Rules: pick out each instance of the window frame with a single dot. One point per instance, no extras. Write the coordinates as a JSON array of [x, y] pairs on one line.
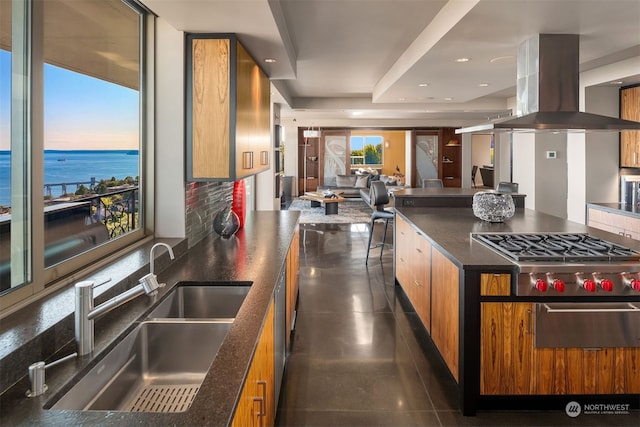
[[43, 281]]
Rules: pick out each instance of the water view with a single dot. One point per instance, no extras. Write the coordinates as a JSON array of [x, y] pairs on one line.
[[74, 166]]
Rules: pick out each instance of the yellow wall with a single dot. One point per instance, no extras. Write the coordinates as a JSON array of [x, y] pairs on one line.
[[394, 154]]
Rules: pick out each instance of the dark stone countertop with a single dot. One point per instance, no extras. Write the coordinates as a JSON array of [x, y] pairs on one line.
[[450, 230], [618, 208], [440, 192], [257, 253], [444, 197]]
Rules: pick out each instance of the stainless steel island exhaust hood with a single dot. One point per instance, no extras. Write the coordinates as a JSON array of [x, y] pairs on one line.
[[547, 92]]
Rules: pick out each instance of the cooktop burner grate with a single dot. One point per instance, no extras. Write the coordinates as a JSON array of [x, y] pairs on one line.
[[556, 247]]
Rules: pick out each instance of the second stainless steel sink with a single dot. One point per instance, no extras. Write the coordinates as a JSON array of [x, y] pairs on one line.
[[158, 367], [202, 300]]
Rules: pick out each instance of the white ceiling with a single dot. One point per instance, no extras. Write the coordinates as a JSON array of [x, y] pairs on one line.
[[364, 60]]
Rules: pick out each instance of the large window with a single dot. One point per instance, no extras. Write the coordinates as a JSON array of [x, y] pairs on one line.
[[366, 150], [71, 90]]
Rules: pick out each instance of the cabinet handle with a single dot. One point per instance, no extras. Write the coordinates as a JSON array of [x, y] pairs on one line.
[[260, 413], [419, 251], [417, 283], [401, 259], [247, 159], [263, 400]]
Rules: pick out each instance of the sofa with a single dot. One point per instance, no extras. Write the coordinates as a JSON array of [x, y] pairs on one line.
[[348, 185], [357, 184]]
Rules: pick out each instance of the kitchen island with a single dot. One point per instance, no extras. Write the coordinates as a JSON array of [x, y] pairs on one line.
[[259, 253], [466, 296], [444, 197], [619, 218]]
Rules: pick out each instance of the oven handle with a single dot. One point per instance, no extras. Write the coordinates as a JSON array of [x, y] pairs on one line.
[[632, 308]]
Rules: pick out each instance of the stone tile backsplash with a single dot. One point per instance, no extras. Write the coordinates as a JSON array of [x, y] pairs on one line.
[[203, 201]]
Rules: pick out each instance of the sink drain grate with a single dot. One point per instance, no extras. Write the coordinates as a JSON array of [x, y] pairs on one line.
[[164, 398]]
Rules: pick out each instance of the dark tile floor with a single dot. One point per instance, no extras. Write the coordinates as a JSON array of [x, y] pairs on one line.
[[361, 358]]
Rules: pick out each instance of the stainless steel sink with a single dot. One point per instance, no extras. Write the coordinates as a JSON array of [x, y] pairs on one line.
[[158, 367], [202, 300]]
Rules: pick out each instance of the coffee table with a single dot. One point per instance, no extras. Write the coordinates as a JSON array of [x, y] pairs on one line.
[[330, 203]]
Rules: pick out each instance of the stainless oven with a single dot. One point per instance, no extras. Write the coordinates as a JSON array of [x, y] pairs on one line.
[[587, 325]]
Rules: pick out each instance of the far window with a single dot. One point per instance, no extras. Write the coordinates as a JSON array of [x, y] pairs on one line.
[[366, 150]]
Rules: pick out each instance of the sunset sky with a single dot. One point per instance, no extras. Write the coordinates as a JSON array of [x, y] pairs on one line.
[[81, 112]]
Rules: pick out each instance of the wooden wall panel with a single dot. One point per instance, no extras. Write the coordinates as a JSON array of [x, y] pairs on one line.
[[210, 145]]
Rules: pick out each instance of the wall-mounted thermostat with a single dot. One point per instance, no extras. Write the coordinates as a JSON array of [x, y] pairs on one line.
[[552, 154]]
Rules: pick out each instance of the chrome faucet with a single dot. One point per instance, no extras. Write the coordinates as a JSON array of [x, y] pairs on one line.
[[85, 312], [153, 248]]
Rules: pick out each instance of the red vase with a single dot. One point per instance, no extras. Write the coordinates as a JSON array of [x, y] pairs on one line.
[[239, 200]]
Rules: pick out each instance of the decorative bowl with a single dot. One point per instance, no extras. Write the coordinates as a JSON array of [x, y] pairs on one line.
[[493, 206]]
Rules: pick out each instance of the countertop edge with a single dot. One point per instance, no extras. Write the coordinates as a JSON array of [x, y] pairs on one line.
[[258, 254], [618, 208]]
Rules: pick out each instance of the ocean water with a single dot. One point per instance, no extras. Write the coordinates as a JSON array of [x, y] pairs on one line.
[[66, 166]]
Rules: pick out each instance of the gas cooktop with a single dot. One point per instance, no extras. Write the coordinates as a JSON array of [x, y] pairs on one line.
[[556, 247], [568, 264]]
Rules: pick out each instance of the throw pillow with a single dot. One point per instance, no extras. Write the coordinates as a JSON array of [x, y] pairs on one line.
[[345, 180], [362, 181]]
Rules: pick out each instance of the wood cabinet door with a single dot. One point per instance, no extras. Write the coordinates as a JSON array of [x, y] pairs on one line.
[[228, 104], [422, 278], [256, 406], [209, 141], [630, 140], [510, 364], [506, 344], [292, 281], [445, 302], [402, 247]]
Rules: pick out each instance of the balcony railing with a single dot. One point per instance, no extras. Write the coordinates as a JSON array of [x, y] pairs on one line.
[[76, 226], [117, 210]]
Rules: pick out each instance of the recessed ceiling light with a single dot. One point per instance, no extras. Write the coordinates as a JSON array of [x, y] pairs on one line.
[[356, 113], [423, 84], [483, 84], [616, 82], [463, 60], [448, 99], [502, 58], [270, 60], [402, 99]]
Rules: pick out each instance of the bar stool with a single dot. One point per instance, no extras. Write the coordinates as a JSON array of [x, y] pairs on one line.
[[379, 197]]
